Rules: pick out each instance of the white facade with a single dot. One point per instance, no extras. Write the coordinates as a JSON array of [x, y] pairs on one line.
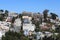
[[28, 27], [53, 21], [48, 34], [53, 27], [13, 14], [17, 22], [5, 25], [2, 33], [17, 25], [27, 24]]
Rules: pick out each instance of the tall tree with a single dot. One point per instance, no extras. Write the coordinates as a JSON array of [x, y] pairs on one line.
[[1, 15], [20, 16], [13, 19], [6, 12], [45, 13]]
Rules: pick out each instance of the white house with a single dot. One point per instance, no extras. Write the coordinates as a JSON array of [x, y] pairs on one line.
[[27, 24], [2, 33], [5, 25], [28, 27], [12, 14], [53, 27], [53, 21], [48, 34], [40, 35], [17, 24]]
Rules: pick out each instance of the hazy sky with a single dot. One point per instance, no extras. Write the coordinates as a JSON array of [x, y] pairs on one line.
[[30, 5]]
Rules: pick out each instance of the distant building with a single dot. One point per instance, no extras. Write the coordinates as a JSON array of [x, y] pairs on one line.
[[24, 13], [45, 26], [37, 17], [53, 27], [48, 34], [9, 19], [27, 17], [17, 25], [52, 21], [2, 33], [2, 12], [27, 24], [12, 14], [4, 27], [17, 22]]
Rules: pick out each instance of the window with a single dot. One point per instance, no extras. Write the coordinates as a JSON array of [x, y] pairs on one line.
[[6, 25], [26, 20]]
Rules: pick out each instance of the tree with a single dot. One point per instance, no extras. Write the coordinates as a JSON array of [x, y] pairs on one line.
[[58, 37], [33, 22], [37, 26], [1, 10], [36, 23], [6, 12], [53, 16], [10, 35], [58, 29], [1, 15], [20, 16], [13, 19], [45, 13], [1, 18]]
